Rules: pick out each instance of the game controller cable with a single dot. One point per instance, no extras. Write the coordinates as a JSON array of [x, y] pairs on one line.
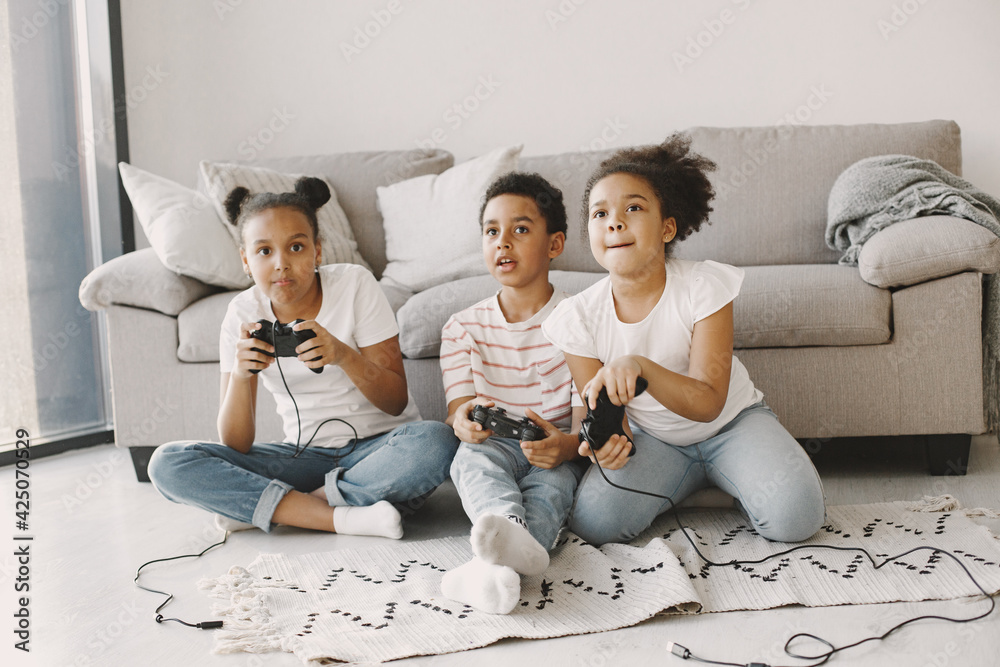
[[204, 625], [821, 658], [284, 340], [298, 419], [211, 625]]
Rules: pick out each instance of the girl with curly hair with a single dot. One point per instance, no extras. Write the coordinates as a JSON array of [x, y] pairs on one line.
[[702, 421]]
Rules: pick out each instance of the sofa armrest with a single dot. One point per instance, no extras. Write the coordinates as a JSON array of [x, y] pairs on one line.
[[915, 251], [139, 279]]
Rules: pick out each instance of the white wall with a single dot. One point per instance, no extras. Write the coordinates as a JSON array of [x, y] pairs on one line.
[[207, 77]]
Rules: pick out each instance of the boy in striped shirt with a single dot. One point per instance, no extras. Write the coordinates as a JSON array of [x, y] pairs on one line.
[[518, 494]]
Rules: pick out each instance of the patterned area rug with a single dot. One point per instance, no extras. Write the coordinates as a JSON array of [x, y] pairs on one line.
[[384, 603]]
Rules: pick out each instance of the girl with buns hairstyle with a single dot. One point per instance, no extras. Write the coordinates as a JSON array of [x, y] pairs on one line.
[[345, 395]]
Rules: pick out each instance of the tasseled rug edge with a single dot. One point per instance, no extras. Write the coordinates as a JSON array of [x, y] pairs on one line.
[[247, 625], [947, 503]]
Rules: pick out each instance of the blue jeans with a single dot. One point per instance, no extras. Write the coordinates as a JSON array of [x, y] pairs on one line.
[[495, 477], [753, 458], [401, 466]]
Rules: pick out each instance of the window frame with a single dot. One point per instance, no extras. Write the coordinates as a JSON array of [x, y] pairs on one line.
[[102, 109]]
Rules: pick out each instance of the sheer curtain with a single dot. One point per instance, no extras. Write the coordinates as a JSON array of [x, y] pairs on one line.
[[60, 215]]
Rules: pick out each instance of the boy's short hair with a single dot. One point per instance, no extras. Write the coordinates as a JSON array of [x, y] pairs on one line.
[[547, 197]]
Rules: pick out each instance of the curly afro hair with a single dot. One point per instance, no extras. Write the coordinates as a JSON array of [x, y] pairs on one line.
[[309, 195], [547, 197], [676, 175]]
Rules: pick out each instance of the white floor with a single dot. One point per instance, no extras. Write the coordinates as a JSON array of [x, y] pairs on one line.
[[93, 524]]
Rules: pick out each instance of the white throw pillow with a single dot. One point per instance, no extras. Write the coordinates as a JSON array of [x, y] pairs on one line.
[[431, 222], [184, 230], [335, 233]]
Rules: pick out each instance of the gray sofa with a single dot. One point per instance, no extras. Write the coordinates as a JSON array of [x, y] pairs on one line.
[[890, 347]]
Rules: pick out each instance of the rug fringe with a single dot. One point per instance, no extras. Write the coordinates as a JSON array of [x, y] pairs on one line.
[[948, 503], [247, 625]]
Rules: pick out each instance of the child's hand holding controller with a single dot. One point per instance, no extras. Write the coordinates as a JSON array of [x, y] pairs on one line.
[[618, 377], [612, 456], [252, 354], [552, 450], [325, 349], [468, 430]]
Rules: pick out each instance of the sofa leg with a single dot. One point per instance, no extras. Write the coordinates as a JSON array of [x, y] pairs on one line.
[[140, 459], [948, 454]]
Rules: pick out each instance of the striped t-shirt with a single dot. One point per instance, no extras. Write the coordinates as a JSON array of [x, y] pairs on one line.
[[509, 363]]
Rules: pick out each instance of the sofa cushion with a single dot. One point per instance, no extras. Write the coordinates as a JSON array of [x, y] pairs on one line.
[[773, 183], [778, 306], [918, 250], [432, 233], [810, 305], [139, 279], [184, 229], [198, 328], [424, 315], [772, 186], [569, 172], [355, 177], [396, 296], [335, 234]]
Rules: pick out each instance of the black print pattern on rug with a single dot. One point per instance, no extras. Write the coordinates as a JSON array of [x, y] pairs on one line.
[[385, 603]]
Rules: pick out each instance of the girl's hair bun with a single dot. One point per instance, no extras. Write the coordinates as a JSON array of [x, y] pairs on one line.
[[234, 202], [310, 194], [313, 190]]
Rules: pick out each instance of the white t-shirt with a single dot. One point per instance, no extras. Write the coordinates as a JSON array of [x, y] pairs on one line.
[[509, 363], [587, 325], [356, 312]]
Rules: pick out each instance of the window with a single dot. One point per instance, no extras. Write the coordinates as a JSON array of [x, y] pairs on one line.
[[60, 202]]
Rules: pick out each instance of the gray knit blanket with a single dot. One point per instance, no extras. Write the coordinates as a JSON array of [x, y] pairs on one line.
[[876, 192]]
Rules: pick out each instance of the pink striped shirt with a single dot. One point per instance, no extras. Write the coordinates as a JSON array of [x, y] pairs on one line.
[[509, 363]]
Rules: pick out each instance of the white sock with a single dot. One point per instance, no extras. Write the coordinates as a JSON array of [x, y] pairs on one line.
[[494, 589], [497, 539], [231, 525], [380, 520]]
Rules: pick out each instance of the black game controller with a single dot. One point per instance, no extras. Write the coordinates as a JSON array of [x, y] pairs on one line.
[[505, 426], [283, 338], [606, 419]]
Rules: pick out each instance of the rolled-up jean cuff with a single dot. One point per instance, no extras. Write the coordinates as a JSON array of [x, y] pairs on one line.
[[268, 502], [333, 495]]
